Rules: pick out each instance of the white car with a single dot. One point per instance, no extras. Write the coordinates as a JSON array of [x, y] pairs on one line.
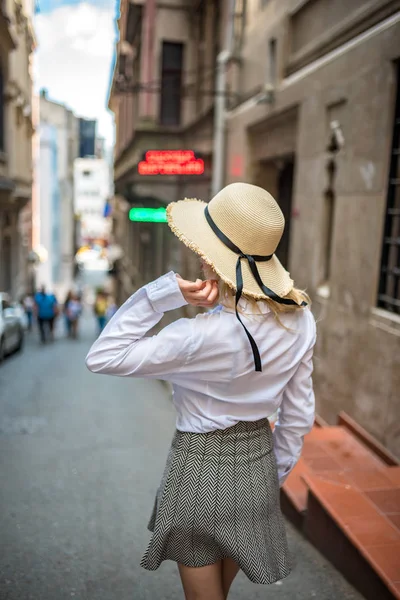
[[11, 329], [21, 314]]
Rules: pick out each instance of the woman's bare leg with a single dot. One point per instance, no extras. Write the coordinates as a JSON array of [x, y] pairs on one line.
[[202, 583], [229, 571]]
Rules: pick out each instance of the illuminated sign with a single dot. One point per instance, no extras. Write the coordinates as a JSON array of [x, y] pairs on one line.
[[148, 215], [171, 162]]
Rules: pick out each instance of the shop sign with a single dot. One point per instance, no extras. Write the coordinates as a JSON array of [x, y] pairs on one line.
[[148, 215], [171, 162]]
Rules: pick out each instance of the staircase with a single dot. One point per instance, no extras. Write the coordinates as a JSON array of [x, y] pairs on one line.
[[344, 494]]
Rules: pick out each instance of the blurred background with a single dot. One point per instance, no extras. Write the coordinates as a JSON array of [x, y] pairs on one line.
[[111, 109]]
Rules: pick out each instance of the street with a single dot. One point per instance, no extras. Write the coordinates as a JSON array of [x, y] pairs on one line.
[[80, 460]]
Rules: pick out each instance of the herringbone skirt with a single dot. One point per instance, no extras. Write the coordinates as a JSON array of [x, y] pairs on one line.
[[218, 498]]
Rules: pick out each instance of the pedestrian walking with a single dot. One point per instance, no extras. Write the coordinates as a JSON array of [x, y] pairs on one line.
[[46, 312], [29, 305], [100, 309], [111, 309], [67, 320], [74, 311], [217, 508]]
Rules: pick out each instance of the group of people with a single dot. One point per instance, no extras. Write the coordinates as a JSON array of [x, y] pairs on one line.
[[45, 308]]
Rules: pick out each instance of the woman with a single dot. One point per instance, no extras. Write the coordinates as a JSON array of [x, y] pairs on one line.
[[111, 309], [100, 310], [217, 508]]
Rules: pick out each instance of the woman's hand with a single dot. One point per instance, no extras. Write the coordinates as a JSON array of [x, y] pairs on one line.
[[199, 293]]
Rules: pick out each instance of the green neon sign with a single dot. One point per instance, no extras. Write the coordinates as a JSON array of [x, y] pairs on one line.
[[148, 215]]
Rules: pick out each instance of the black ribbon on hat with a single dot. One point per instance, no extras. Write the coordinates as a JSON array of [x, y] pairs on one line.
[[251, 259]]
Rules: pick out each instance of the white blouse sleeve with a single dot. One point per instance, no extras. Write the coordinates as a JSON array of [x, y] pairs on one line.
[[122, 348], [296, 414]]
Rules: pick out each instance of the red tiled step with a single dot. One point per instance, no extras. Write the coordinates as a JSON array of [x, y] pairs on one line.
[[341, 487], [335, 455], [367, 439], [340, 446], [394, 474], [363, 518]]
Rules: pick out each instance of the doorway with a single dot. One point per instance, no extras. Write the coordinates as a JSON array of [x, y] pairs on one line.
[[284, 199], [277, 177]]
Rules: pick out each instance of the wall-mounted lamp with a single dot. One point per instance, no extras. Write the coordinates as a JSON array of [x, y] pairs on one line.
[[337, 141], [267, 96], [19, 101]]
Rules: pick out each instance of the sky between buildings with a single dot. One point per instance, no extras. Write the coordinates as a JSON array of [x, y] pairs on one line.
[[74, 56]]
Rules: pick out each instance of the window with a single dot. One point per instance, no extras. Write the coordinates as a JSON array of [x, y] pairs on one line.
[[171, 83], [86, 173], [2, 141], [389, 288], [272, 61]]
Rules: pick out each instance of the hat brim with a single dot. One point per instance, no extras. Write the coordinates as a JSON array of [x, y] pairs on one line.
[[187, 221]]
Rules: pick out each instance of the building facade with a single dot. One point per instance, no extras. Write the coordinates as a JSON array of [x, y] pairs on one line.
[[66, 127], [91, 192], [311, 99], [49, 269], [16, 131], [163, 100], [316, 122]]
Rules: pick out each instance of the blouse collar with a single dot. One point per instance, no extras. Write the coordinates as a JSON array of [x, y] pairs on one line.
[[249, 308]]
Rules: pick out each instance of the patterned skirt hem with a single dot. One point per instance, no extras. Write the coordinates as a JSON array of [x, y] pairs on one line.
[[253, 578], [219, 498]]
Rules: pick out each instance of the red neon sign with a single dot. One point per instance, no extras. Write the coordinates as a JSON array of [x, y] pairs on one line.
[[171, 162]]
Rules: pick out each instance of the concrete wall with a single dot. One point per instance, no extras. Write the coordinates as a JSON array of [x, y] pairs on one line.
[[358, 350]]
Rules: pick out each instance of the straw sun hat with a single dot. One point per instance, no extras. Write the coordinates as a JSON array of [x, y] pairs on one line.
[[237, 234], [251, 220]]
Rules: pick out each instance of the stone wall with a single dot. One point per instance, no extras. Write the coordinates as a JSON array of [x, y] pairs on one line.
[[358, 351]]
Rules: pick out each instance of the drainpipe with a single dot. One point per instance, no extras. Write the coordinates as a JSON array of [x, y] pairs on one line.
[[219, 105]]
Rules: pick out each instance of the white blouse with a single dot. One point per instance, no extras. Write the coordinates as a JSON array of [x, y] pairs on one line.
[[210, 363]]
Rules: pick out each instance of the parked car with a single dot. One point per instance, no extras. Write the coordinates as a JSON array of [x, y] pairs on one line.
[[21, 313], [11, 328]]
